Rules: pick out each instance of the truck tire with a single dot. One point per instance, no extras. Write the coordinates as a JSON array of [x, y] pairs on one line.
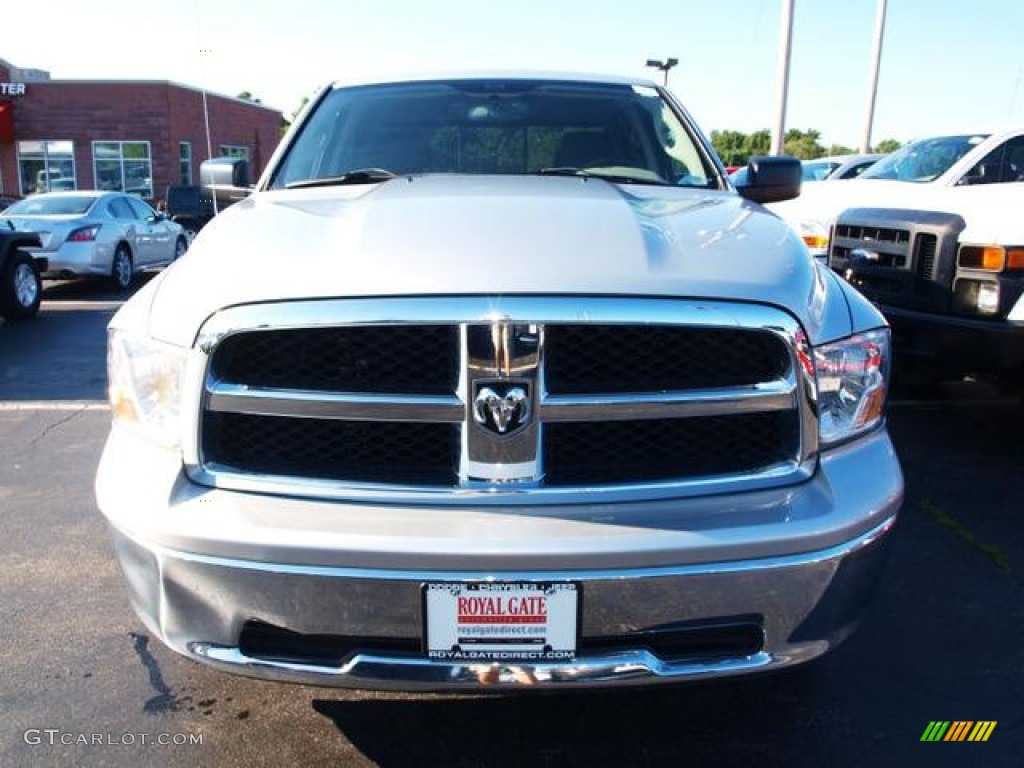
[[21, 290]]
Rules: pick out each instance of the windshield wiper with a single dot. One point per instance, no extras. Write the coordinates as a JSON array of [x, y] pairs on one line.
[[615, 178], [358, 176]]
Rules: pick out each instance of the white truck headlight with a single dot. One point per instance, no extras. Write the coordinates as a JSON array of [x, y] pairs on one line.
[[815, 235], [852, 377], [145, 385]]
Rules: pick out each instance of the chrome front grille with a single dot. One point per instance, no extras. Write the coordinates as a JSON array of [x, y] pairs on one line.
[[516, 400]]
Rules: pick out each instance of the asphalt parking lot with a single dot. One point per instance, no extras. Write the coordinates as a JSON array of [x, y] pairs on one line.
[[83, 684]]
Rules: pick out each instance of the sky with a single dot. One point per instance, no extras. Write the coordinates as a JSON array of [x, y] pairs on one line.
[[947, 65]]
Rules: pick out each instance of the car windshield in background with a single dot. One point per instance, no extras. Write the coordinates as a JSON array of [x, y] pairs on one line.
[[817, 171], [72, 205], [923, 160], [624, 133]]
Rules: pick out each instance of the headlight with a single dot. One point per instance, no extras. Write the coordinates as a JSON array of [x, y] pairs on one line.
[[976, 296], [145, 386], [815, 235], [852, 377]]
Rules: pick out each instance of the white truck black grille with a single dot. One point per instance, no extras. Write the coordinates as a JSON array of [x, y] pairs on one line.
[[898, 258]]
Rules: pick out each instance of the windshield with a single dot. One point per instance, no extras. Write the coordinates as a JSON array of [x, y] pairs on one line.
[[70, 205], [818, 169], [923, 160], [626, 133]]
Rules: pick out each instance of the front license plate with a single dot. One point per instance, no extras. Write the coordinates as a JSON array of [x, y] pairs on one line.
[[501, 621]]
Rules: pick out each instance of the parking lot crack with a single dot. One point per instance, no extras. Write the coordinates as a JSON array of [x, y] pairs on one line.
[[31, 444]]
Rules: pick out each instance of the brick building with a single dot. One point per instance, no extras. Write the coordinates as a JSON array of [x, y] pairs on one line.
[[133, 135]]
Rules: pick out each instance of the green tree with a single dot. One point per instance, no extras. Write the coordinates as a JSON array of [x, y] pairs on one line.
[[803, 144], [247, 96], [887, 145], [731, 146], [839, 149], [759, 142]]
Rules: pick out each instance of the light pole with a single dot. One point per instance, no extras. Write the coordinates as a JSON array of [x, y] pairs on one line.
[[876, 60], [664, 66], [786, 46]]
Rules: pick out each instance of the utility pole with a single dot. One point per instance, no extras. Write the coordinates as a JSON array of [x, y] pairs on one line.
[[782, 91], [869, 118]]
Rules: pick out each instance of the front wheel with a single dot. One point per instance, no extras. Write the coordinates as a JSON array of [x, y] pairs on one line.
[[121, 269], [189, 228], [180, 246], [21, 290]]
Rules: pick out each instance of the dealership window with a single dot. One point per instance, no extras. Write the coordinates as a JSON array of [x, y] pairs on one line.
[[185, 162], [233, 150], [124, 166], [45, 166]]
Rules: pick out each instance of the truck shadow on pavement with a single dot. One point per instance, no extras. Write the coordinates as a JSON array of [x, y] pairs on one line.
[[784, 718]]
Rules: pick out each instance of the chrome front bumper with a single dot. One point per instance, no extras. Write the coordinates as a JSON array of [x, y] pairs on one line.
[[801, 562], [807, 604]]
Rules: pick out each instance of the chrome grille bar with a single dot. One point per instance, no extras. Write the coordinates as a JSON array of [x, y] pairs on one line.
[[229, 398]]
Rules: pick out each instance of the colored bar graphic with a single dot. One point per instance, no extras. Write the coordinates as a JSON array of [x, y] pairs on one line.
[[958, 730], [982, 730]]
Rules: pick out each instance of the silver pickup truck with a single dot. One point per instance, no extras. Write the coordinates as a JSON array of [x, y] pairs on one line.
[[497, 383]]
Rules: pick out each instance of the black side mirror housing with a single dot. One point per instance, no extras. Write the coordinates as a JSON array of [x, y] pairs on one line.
[[772, 179], [225, 179]]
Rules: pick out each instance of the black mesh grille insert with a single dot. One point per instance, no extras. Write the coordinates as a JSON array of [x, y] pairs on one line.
[[612, 452], [926, 245], [872, 234], [360, 451], [604, 359], [399, 359]]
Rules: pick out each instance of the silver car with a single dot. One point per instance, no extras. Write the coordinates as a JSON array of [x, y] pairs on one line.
[[97, 234], [838, 167]]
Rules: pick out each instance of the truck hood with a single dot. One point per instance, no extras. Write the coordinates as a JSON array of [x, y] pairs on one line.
[[487, 235], [991, 211], [825, 200]]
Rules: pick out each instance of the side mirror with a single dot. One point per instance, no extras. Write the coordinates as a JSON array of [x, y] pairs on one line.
[[772, 179], [225, 180], [985, 172]]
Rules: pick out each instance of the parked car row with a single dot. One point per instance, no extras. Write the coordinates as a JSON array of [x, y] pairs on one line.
[[83, 233], [932, 234], [832, 168]]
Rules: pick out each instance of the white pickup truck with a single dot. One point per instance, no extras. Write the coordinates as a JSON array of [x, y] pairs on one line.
[[933, 235]]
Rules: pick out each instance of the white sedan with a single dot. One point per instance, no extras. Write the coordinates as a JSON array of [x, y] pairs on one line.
[[97, 234]]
